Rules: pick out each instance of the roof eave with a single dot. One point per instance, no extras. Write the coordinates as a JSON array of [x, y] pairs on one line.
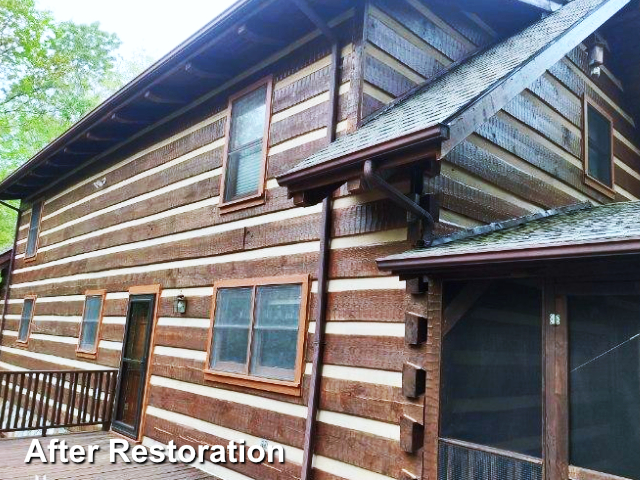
[[345, 167], [429, 265], [143, 81]]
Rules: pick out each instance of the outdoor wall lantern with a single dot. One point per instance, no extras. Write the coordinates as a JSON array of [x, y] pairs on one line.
[[180, 305]]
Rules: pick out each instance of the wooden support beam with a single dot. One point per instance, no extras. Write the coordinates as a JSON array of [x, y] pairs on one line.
[[116, 117], [190, 68], [162, 99], [463, 302], [414, 380], [97, 138], [309, 198], [417, 286], [260, 39], [356, 186], [71, 151], [411, 434], [415, 329]]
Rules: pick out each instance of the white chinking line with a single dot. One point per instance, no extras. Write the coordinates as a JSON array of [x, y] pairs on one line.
[[258, 254], [369, 239], [336, 285], [373, 427], [292, 454]]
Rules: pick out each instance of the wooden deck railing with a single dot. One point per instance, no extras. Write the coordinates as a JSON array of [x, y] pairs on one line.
[[42, 400]]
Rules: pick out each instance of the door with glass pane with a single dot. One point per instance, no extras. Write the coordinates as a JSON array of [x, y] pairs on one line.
[[134, 365], [603, 377]]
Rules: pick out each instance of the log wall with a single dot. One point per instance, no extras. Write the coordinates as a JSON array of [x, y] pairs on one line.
[[152, 217]]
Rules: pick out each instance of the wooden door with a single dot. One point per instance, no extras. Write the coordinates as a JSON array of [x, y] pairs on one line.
[[134, 365]]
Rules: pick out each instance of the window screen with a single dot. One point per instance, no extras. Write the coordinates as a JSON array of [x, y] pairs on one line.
[[34, 227], [600, 148], [256, 331], [90, 323], [604, 383], [25, 319], [246, 141], [492, 370]]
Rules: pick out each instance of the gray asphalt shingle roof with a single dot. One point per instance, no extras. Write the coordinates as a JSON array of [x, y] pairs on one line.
[[438, 101], [575, 225]]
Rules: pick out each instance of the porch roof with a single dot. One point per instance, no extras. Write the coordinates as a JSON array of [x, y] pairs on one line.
[[576, 231], [448, 108]]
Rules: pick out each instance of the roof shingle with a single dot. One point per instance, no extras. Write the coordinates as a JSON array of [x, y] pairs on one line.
[[575, 225], [439, 101]]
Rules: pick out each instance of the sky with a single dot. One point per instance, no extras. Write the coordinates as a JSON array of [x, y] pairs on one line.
[[153, 26]]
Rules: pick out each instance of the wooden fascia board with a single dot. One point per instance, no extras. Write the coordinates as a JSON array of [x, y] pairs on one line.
[[488, 104], [516, 256], [345, 167]]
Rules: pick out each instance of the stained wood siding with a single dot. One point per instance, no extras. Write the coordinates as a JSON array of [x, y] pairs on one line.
[[151, 217], [410, 41]]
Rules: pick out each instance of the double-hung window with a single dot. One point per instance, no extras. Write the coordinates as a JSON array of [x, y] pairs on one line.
[[246, 144], [91, 321], [24, 329], [258, 332], [598, 149], [34, 229]]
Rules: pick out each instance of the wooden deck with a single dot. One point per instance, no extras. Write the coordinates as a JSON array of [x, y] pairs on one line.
[[14, 451]]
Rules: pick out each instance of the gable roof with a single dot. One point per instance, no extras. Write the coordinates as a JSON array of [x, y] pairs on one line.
[[460, 99], [577, 230]]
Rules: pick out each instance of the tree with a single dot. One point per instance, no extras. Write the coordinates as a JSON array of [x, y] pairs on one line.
[[51, 73]]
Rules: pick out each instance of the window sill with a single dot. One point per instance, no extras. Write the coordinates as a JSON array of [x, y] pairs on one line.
[[242, 203], [87, 355], [599, 186], [265, 384]]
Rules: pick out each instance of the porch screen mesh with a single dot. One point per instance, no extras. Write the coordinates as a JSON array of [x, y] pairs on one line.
[[459, 463]]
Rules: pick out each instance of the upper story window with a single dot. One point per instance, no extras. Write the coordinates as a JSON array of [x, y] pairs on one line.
[[247, 141], [24, 329], [91, 321], [34, 230], [599, 166], [258, 332]]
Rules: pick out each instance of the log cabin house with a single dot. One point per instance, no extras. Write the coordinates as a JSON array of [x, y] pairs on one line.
[[399, 238]]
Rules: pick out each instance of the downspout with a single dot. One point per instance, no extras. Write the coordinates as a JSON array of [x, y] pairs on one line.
[[10, 270], [325, 243]]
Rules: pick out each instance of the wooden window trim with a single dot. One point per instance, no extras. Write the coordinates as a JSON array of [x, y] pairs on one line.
[[93, 352], [590, 181], [25, 343], [259, 197], [33, 257], [294, 387]]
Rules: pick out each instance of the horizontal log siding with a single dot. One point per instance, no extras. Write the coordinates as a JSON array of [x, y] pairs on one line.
[[409, 42], [134, 221]]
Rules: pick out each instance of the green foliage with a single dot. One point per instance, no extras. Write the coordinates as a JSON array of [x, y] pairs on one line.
[[52, 74]]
